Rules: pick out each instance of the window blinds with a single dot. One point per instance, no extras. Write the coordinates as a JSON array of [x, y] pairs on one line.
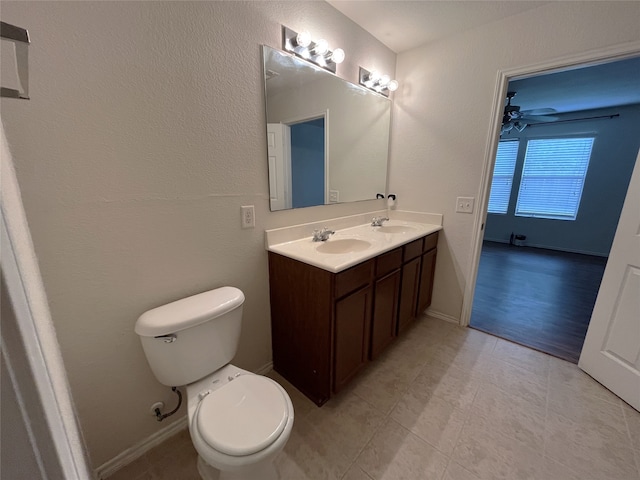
[[552, 177], [503, 177]]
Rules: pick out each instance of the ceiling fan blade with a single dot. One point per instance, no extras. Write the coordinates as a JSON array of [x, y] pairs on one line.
[[537, 119], [539, 111]]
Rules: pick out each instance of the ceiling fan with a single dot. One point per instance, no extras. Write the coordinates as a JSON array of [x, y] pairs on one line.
[[514, 118]]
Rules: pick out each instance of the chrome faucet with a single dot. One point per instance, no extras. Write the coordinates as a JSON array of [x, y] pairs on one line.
[[377, 221], [322, 235]]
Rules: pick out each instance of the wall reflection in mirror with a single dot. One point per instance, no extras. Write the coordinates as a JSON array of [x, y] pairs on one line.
[[327, 139]]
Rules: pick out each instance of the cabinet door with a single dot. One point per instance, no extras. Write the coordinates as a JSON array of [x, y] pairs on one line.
[[385, 312], [351, 341], [426, 280], [409, 293]]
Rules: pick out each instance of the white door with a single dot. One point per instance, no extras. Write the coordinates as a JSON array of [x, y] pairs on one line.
[[279, 153], [611, 352]]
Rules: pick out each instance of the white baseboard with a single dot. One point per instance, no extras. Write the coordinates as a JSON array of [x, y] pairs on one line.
[[131, 454], [442, 316], [136, 451]]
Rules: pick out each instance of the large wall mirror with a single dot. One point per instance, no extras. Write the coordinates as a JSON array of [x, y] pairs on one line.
[[328, 139]]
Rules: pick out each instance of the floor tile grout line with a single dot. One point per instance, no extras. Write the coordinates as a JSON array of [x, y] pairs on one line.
[[465, 423], [375, 432], [636, 454], [444, 472], [388, 417], [561, 461]]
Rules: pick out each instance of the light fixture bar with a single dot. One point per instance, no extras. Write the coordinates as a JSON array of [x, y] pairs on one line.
[[317, 52], [377, 82]]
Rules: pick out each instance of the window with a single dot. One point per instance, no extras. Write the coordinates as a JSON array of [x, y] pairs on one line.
[[503, 177], [552, 178]]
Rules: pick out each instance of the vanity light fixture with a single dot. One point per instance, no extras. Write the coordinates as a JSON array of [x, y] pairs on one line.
[[377, 82], [317, 52]]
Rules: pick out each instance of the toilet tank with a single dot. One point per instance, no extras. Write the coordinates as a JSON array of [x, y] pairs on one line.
[[190, 338]]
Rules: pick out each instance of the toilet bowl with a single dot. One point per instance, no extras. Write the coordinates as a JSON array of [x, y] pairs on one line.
[[238, 421]]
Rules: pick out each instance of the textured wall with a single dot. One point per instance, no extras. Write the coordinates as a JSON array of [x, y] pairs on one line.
[[144, 136], [443, 107]]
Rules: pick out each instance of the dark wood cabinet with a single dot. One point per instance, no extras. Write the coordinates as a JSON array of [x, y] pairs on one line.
[[326, 326], [351, 338], [385, 300], [409, 293], [427, 272], [418, 268]]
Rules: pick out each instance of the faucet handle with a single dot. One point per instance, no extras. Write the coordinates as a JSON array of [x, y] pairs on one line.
[[322, 235], [377, 221]]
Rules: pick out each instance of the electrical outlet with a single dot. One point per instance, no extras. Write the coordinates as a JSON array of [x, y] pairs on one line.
[[334, 196], [248, 216], [464, 204]]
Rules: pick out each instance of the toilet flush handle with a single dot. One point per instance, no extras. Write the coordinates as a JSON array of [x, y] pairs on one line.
[[172, 337]]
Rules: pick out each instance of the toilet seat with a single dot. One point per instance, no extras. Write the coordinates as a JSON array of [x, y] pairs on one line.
[[243, 417]]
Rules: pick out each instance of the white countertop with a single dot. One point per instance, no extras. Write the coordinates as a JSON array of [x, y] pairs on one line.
[[306, 250]]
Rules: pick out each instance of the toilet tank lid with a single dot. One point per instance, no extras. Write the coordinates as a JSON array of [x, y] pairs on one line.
[[188, 312]]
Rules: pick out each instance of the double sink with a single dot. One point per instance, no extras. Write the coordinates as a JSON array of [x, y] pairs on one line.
[[353, 245], [349, 245]]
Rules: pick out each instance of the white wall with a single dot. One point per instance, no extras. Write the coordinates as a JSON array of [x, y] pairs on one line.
[[443, 108], [612, 159], [144, 135]]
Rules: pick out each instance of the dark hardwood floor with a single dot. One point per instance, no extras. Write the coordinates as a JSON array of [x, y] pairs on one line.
[[535, 297]]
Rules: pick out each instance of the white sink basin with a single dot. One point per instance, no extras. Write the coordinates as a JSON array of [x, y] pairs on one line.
[[395, 229], [343, 245]]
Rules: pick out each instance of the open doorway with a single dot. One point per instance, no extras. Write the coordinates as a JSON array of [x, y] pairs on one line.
[[308, 163], [539, 270]]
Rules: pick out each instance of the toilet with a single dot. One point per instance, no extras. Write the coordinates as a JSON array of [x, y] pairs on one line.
[[238, 421]]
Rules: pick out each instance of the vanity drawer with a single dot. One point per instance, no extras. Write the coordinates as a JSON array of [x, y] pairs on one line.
[[430, 242], [388, 262], [353, 278], [412, 250]]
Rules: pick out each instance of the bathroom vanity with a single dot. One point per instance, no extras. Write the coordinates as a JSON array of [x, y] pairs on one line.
[[332, 317]]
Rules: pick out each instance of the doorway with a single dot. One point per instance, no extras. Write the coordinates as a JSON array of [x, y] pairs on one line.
[[540, 293], [308, 163]]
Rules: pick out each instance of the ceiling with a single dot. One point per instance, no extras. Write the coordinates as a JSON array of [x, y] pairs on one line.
[[404, 25], [612, 84]]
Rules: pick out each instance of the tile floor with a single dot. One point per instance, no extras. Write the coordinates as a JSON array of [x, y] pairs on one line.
[[447, 403]]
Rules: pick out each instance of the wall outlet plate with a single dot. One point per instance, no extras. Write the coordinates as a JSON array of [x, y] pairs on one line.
[[464, 204], [248, 216]]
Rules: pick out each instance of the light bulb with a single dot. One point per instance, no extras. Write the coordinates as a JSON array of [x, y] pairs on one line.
[[374, 76], [384, 79], [392, 85], [303, 39], [321, 47], [338, 55]]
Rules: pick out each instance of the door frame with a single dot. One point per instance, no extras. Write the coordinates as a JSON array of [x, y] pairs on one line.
[[40, 383], [589, 58]]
